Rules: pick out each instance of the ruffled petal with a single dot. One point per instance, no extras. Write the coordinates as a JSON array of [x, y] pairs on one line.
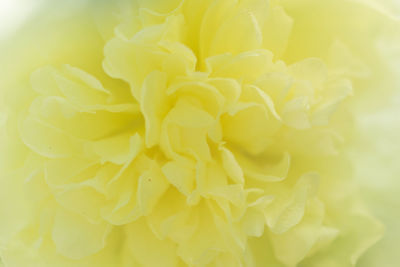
[[75, 237]]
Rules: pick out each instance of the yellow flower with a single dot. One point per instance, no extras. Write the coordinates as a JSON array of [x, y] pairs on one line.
[[189, 133]]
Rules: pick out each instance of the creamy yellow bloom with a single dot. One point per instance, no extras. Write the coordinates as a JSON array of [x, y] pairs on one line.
[[190, 133]]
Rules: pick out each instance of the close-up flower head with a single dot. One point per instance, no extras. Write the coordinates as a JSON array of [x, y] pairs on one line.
[[200, 133]]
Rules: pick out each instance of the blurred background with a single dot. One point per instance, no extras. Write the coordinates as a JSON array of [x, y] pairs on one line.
[[13, 13], [377, 168]]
